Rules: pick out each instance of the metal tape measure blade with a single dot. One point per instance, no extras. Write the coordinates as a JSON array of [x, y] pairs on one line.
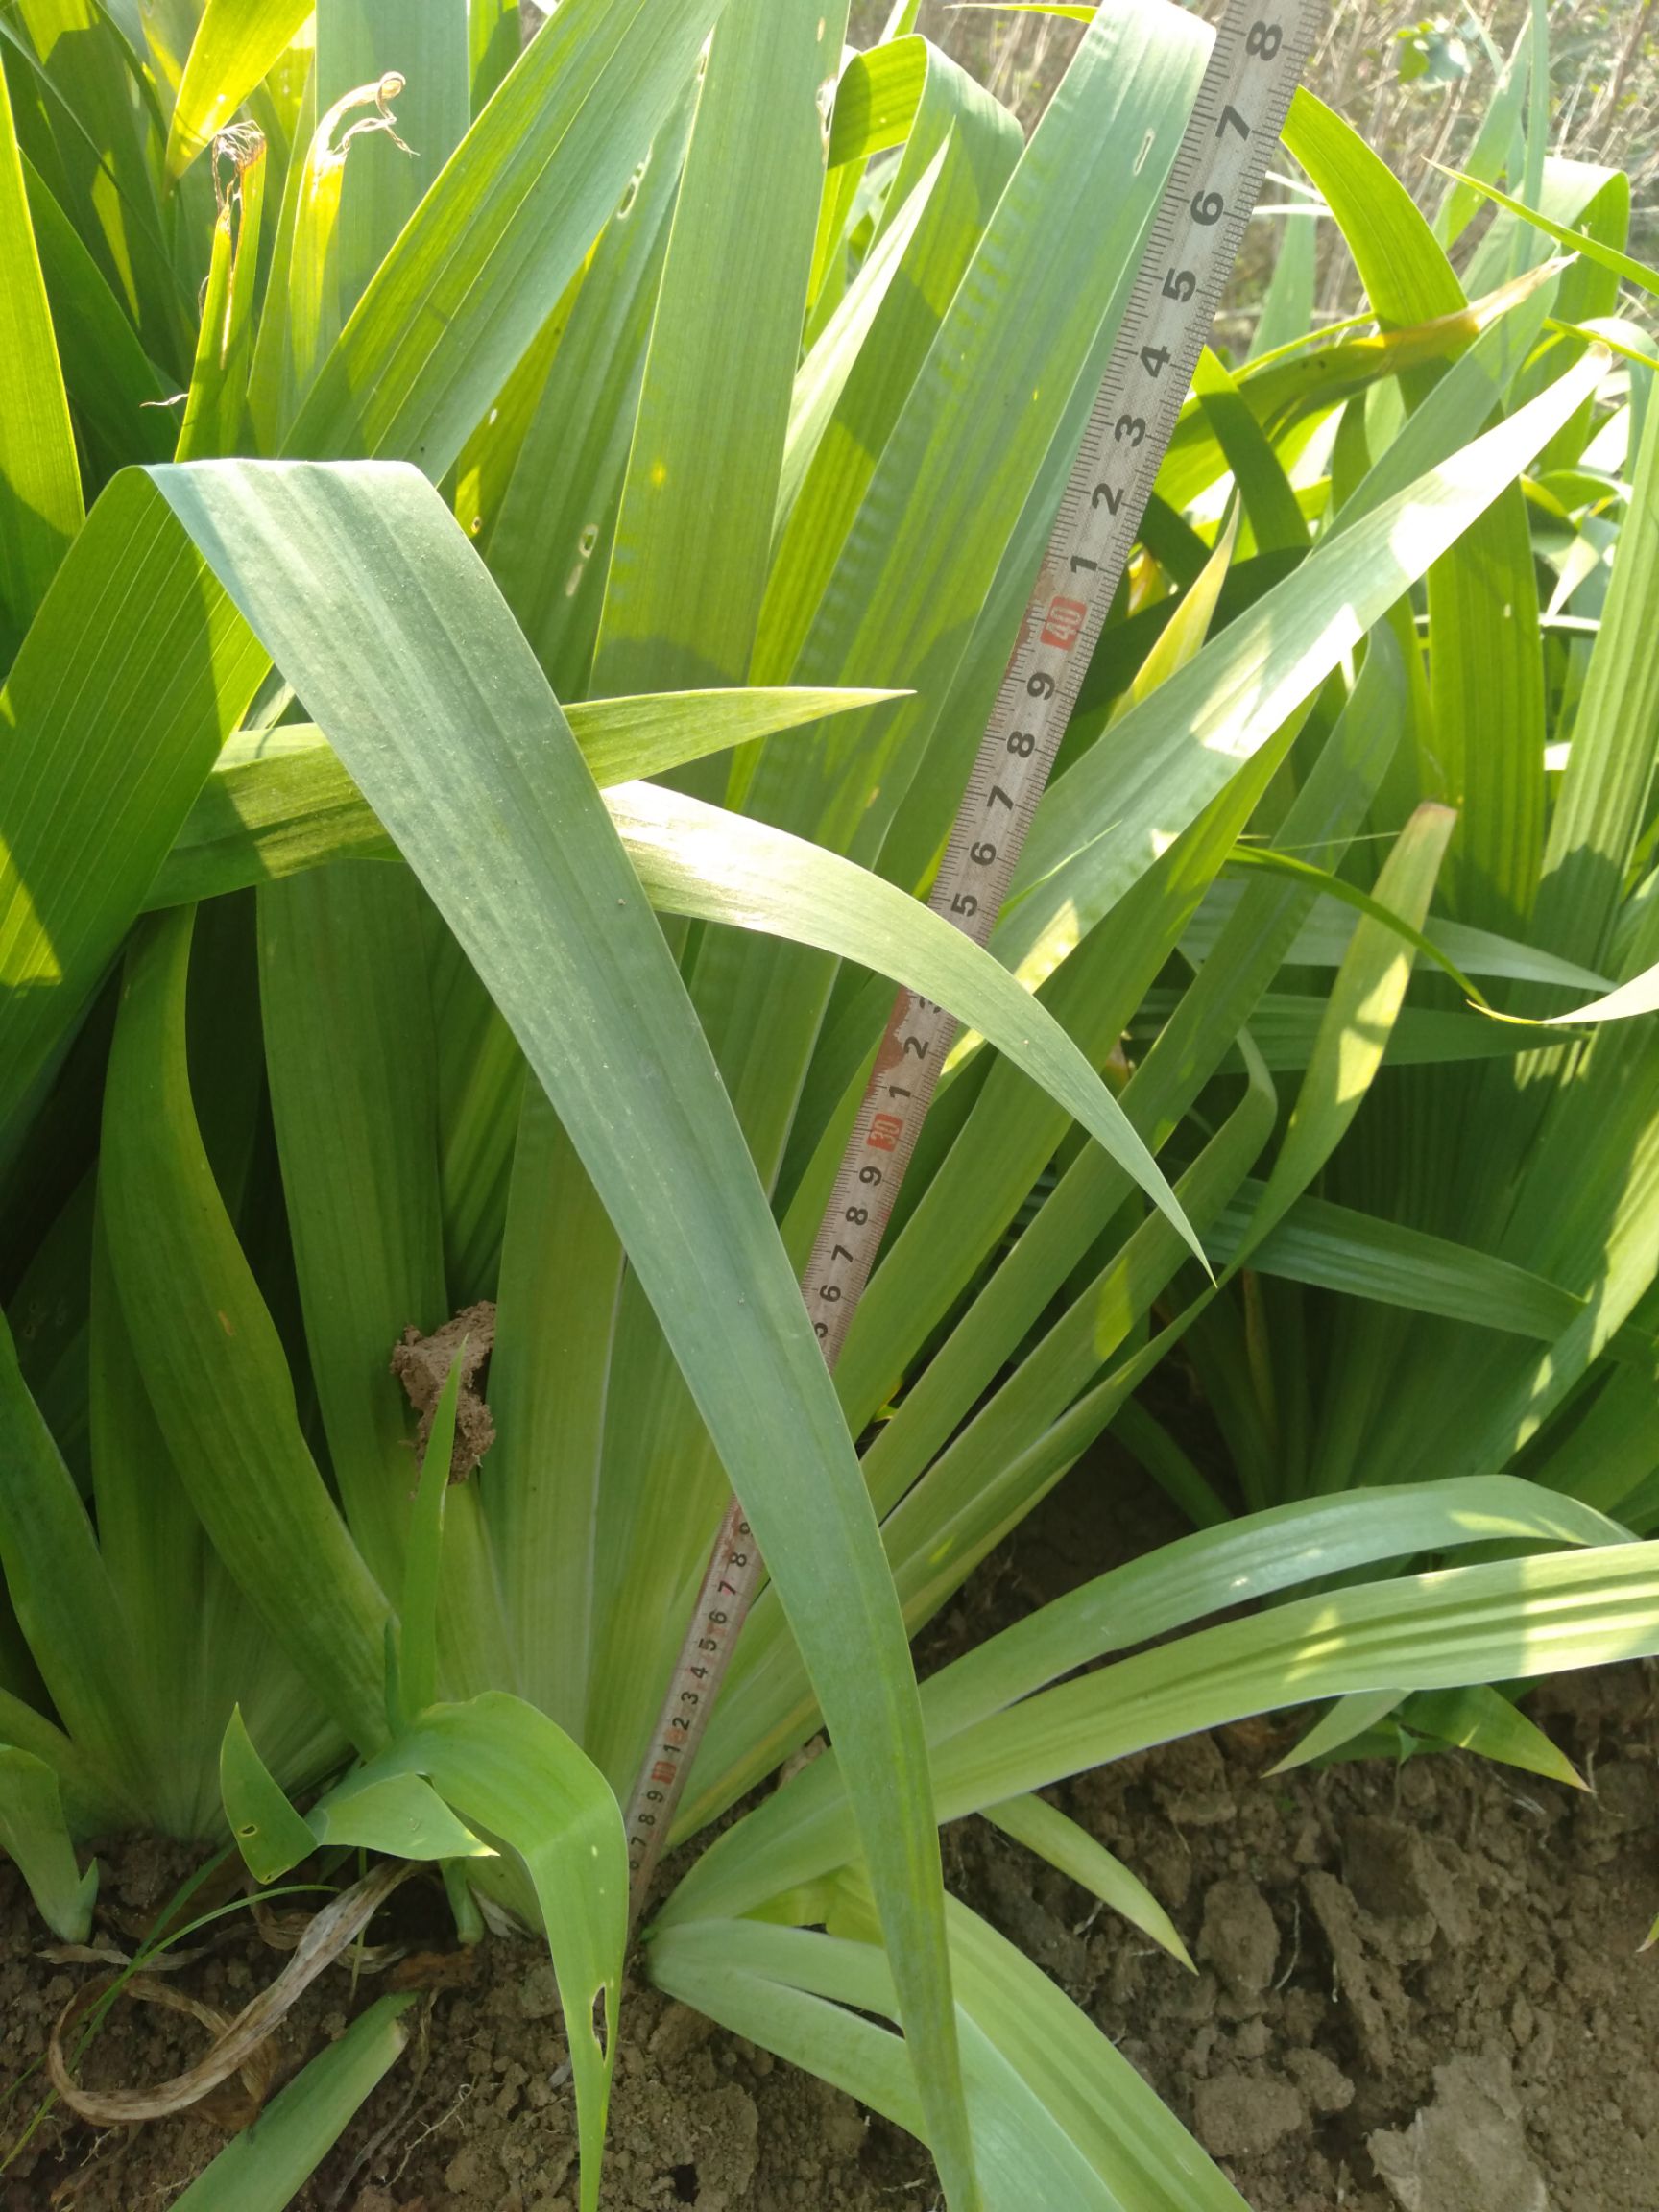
[[1193, 242]]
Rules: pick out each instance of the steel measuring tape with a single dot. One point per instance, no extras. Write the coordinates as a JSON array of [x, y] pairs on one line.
[[1254, 67]]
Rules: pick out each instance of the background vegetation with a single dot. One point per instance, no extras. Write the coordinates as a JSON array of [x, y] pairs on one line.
[[1415, 84]]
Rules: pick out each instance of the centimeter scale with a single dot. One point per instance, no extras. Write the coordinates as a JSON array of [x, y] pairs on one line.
[[1254, 65]]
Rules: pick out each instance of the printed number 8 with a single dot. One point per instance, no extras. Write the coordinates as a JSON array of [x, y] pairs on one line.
[[1265, 40]]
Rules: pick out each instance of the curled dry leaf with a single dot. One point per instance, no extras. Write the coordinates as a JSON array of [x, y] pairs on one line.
[[286, 1931], [254, 2070], [110, 1955], [236, 2045]]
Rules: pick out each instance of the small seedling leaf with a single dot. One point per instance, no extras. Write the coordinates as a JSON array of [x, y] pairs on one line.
[[270, 1835], [35, 1833]]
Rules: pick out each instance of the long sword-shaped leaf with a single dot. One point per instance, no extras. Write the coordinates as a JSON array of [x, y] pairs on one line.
[[688, 563], [1641, 273], [1100, 826], [134, 672], [376, 608], [193, 1647], [212, 1362], [64, 1600], [1367, 995], [696, 859], [343, 996], [1362, 1256], [702, 861], [1067, 2120], [551, 547], [961, 149], [682, 598], [40, 481], [264, 2168], [1486, 675], [118, 396], [235, 44], [1045, 1830], [1604, 790], [278, 801], [485, 257], [348, 1046], [561, 1273], [1020, 345], [1085, 2093], [95, 97], [347, 1008], [1518, 1617]]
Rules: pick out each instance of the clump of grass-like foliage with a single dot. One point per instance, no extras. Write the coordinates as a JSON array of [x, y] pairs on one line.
[[504, 561]]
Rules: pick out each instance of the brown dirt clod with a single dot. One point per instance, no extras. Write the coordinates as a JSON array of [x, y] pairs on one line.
[[423, 1363]]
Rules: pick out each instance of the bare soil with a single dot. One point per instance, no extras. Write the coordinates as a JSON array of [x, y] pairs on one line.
[[1419, 1990]]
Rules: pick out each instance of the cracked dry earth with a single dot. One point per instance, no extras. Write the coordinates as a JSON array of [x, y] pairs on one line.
[[1418, 1990]]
